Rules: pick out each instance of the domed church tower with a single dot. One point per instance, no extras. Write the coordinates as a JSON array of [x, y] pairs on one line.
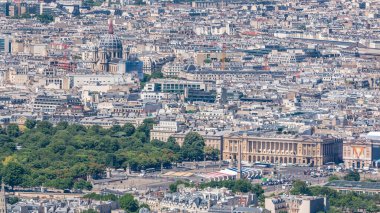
[[110, 47]]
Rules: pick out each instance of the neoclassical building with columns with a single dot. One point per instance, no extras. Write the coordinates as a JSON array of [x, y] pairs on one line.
[[270, 147]]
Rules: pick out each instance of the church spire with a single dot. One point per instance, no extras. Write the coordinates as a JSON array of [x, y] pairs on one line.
[[110, 26]]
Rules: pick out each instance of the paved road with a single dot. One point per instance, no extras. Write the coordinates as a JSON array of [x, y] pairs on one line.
[[154, 181], [292, 173]]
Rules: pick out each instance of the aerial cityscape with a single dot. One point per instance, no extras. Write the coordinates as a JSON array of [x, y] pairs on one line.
[[189, 106]]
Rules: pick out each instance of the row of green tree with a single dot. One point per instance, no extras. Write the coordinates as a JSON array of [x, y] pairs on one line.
[[350, 176], [44, 18], [146, 78], [126, 202], [241, 185], [64, 156], [340, 202], [92, 3]]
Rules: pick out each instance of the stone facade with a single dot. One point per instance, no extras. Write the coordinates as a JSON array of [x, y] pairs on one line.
[[283, 149], [357, 154]]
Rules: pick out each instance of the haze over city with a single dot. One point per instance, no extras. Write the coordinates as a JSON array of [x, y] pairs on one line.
[[196, 106]]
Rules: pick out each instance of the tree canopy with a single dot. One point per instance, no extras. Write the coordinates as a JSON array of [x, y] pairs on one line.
[[30, 124], [129, 203], [339, 202], [13, 174], [45, 18], [65, 155], [300, 188], [333, 177], [211, 153], [236, 186], [174, 186], [193, 147], [352, 176]]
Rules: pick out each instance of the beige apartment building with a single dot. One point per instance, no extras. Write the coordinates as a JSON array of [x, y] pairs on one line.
[[164, 129], [282, 148], [296, 204]]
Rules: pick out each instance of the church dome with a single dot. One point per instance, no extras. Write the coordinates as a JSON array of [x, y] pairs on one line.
[[111, 43]]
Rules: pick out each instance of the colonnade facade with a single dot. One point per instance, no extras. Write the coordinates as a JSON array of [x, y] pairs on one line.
[[300, 150]]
